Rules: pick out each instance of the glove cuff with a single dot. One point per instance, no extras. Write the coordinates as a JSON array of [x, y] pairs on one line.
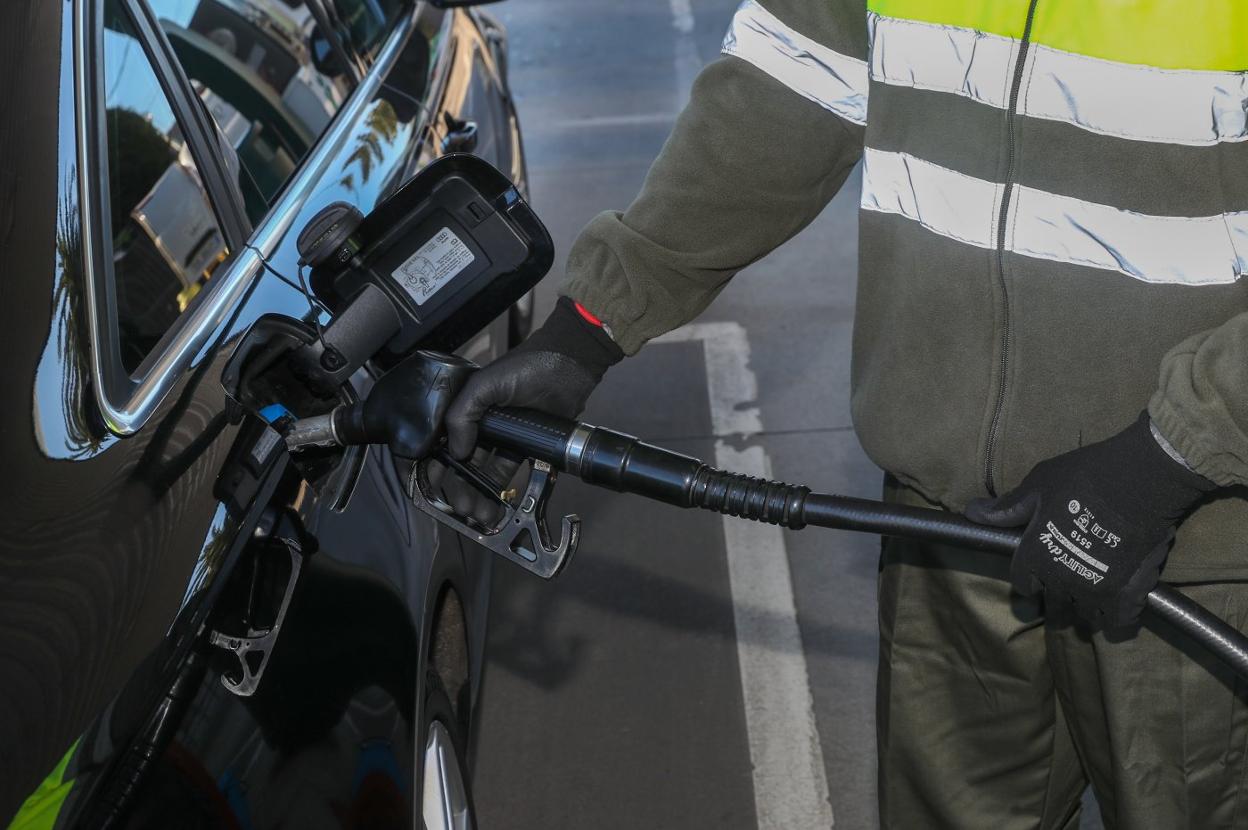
[[567, 333]]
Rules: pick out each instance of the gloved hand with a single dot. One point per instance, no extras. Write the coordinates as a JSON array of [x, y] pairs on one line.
[[553, 371], [1100, 520]]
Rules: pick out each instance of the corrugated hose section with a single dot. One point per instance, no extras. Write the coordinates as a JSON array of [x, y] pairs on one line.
[[747, 497]]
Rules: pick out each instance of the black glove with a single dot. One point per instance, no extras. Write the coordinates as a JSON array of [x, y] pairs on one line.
[[553, 371], [1100, 520]]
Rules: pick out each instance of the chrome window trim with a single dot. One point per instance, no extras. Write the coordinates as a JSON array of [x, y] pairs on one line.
[[192, 331]]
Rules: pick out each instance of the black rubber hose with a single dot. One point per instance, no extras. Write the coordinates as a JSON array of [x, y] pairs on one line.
[[1185, 614], [847, 513], [1203, 626], [625, 464]]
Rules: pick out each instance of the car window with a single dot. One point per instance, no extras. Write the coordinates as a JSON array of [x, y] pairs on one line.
[[268, 76], [165, 239], [367, 22]]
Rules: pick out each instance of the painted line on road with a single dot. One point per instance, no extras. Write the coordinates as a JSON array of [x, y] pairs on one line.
[[682, 16], [688, 62], [790, 781]]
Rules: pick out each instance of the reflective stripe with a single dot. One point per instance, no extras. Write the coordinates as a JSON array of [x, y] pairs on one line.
[[1116, 99], [942, 200], [1170, 34], [942, 58], [1128, 101], [1203, 250], [834, 81]]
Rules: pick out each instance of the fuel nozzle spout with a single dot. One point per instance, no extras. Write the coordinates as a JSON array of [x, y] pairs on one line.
[[405, 409], [317, 431]]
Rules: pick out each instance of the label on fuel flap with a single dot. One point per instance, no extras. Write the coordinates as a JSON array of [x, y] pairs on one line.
[[433, 265]]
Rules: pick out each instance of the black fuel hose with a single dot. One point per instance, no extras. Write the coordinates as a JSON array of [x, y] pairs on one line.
[[626, 464]]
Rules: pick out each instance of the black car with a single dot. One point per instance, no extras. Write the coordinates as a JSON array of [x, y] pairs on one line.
[[192, 634]]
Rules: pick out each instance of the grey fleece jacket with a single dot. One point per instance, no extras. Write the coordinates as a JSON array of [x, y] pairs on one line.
[[1028, 281]]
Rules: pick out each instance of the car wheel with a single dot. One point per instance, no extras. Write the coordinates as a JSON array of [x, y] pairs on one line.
[[445, 797]]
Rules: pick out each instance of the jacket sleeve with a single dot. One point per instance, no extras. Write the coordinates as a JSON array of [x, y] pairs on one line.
[[1201, 403], [772, 130]]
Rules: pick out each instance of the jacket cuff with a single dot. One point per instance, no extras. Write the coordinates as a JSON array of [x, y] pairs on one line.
[[1223, 469], [597, 279]]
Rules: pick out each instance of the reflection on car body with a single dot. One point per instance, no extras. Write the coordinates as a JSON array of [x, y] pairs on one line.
[[186, 143]]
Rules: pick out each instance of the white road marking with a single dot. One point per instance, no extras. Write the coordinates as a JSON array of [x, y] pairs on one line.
[[682, 16], [790, 782], [688, 63]]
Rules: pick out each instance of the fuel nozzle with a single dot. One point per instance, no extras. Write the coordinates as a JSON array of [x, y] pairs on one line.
[[404, 410]]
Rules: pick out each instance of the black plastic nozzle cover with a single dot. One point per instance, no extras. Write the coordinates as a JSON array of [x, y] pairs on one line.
[[406, 409]]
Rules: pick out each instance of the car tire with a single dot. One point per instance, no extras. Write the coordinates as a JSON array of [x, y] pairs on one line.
[[446, 795]]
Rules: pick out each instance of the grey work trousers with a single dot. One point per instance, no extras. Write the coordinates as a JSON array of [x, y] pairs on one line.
[[989, 716]]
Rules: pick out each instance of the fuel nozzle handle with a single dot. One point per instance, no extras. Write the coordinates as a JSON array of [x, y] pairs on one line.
[[626, 464], [405, 410]]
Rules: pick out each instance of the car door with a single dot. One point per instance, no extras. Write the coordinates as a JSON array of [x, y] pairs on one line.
[[195, 139], [99, 533]]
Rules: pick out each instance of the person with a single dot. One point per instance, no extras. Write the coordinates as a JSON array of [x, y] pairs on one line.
[[1050, 333]]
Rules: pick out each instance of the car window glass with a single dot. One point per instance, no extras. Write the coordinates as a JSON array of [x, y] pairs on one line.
[[367, 22], [165, 239], [268, 76]]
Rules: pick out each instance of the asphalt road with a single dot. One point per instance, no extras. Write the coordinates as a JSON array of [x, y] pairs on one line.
[[681, 671]]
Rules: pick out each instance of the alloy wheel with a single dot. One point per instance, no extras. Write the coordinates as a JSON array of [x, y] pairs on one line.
[[444, 797]]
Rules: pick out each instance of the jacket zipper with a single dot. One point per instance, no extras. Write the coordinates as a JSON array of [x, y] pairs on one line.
[[1006, 193]]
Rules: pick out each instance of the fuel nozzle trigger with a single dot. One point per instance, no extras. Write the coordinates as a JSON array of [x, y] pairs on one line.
[[521, 535], [405, 411]]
